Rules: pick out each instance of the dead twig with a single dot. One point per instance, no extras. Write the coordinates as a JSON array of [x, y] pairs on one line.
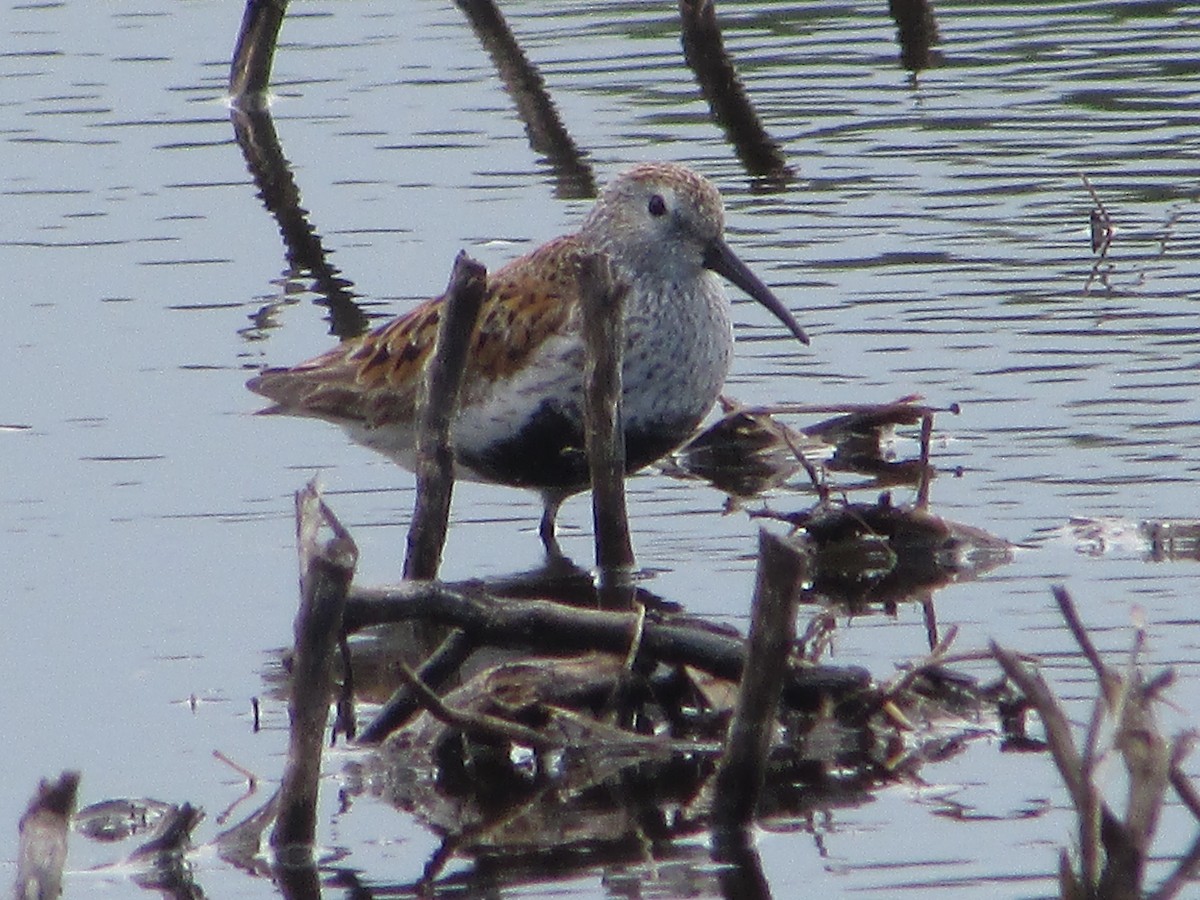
[[740, 773], [1184, 789], [602, 300], [435, 455], [434, 672], [1054, 720], [925, 469], [937, 657], [552, 628], [1109, 680], [344, 721], [326, 572], [1113, 851], [814, 476], [251, 778], [250, 71], [251, 786], [1102, 231], [474, 723]]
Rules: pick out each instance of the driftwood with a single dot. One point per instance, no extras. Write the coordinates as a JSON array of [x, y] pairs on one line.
[[546, 627], [592, 786]]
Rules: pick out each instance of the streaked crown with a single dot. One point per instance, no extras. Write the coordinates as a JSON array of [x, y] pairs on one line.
[[657, 218]]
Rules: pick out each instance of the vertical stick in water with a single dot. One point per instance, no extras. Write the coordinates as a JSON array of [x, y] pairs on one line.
[[325, 575], [435, 455], [602, 301], [781, 567], [250, 72]]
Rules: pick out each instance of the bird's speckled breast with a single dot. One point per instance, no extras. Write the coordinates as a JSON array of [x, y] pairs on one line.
[[530, 431]]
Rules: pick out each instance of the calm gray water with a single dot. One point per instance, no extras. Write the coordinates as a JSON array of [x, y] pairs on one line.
[[935, 241]]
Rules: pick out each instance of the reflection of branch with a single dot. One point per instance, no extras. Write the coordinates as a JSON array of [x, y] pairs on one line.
[[255, 132], [241, 845], [1102, 231], [547, 134], [917, 31], [161, 863], [731, 108], [249, 77], [740, 869]]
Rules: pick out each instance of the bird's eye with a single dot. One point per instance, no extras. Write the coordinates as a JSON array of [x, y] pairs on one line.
[[657, 206]]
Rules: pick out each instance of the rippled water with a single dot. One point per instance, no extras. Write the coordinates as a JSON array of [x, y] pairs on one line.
[[935, 240]]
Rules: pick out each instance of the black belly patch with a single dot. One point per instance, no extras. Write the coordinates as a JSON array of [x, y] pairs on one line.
[[548, 453]]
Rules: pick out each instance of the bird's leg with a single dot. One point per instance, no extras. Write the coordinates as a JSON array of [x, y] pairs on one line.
[[547, 528]]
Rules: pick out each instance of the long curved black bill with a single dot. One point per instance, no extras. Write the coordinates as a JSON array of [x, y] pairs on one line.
[[724, 261]]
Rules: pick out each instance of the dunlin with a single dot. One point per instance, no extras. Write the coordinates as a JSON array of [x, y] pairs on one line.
[[520, 420]]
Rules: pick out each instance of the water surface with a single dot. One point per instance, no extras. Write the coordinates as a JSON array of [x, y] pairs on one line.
[[934, 241]]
